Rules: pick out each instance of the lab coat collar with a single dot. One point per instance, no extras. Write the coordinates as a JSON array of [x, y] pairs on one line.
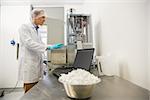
[[34, 26]]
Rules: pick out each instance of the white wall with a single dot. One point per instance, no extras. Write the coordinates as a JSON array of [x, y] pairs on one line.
[[122, 33], [149, 43], [122, 30], [121, 36], [11, 18], [0, 42]]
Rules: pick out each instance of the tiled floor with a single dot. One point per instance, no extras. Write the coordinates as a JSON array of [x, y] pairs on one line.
[[15, 95]]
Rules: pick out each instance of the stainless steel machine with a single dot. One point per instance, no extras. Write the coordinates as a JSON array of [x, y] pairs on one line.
[[79, 35], [79, 30]]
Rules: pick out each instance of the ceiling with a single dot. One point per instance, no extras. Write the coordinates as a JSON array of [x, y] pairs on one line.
[[62, 2]]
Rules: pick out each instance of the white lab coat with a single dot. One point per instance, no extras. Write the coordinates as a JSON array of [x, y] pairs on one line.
[[30, 54]]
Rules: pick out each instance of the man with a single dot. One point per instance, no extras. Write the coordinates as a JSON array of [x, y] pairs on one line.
[[32, 49]]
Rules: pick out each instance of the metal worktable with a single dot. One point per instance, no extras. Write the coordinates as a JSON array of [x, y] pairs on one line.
[[111, 88]]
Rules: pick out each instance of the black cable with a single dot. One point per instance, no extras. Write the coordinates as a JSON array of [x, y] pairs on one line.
[[1, 93]]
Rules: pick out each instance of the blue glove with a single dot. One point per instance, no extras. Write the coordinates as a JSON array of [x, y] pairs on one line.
[[55, 46]]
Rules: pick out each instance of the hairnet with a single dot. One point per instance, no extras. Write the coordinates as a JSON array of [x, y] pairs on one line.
[[36, 13]]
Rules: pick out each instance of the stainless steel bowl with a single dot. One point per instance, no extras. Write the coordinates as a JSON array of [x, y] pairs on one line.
[[79, 91]]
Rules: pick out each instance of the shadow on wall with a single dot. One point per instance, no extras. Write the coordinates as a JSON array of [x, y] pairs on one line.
[[124, 70], [118, 66], [108, 61], [98, 38]]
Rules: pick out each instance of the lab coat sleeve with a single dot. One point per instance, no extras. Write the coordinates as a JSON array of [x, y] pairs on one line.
[[26, 38]]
